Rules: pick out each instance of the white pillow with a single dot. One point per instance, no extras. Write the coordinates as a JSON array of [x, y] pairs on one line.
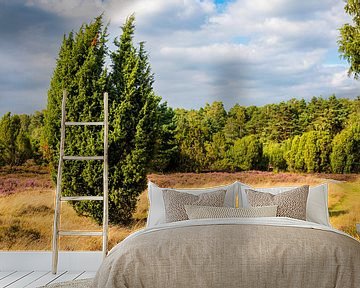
[[317, 202], [203, 212], [156, 214]]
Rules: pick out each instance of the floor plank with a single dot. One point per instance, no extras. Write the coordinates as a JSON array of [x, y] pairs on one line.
[[13, 277], [28, 279], [5, 274], [32, 279], [42, 260], [46, 279], [68, 276], [87, 275]]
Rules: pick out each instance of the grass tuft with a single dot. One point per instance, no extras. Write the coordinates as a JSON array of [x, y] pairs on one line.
[[15, 234]]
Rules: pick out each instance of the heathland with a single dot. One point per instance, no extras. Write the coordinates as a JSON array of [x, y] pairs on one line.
[[27, 204]]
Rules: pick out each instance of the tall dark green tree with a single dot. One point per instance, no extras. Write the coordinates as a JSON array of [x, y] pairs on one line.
[[80, 71], [132, 117], [214, 117], [166, 147], [235, 123], [133, 124], [15, 144]]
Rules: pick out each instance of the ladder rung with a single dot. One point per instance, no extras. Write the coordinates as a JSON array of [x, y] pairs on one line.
[[83, 157], [84, 123], [80, 233], [78, 198]]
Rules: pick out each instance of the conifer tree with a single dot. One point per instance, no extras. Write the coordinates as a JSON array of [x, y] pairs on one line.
[[79, 70], [133, 118], [166, 148]]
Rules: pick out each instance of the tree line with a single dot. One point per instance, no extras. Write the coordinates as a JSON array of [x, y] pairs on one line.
[[322, 135]]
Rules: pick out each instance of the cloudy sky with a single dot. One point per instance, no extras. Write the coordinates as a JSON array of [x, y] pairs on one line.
[[250, 52]]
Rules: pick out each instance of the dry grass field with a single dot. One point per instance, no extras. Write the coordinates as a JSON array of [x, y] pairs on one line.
[[27, 204]]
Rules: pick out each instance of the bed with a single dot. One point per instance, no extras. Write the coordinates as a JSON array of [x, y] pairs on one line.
[[234, 251]]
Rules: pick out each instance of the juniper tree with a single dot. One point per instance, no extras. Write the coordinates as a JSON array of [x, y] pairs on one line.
[[133, 106], [132, 117], [79, 70]]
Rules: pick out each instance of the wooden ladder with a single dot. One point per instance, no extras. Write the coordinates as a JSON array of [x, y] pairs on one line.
[[57, 232]]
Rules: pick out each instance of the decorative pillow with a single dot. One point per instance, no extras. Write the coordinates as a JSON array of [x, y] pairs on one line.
[[175, 201], [317, 203], [156, 214], [201, 212], [290, 203]]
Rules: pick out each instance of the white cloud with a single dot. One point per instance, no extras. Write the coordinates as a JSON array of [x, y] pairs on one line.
[[282, 57], [69, 8]]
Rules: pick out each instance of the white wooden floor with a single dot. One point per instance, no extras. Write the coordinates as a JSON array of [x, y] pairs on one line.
[[30, 279], [32, 268]]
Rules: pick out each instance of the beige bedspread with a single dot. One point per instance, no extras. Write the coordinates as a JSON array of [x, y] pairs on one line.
[[233, 255]]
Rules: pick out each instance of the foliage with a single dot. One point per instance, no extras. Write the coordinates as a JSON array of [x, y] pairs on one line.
[[78, 70], [235, 123], [295, 135], [246, 154], [133, 120], [15, 144], [349, 43], [166, 148], [132, 117], [37, 138], [345, 156], [217, 153], [274, 154], [204, 139]]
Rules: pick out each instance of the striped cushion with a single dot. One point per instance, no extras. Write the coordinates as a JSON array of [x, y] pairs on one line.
[[201, 212]]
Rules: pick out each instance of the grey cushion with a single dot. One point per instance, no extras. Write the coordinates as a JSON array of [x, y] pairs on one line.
[[175, 201], [291, 203]]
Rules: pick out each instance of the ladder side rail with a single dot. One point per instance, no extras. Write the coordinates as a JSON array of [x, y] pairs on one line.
[[55, 244], [106, 178]]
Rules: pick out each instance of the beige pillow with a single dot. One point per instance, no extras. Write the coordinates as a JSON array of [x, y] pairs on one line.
[[291, 203], [175, 201], [201, 212]]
